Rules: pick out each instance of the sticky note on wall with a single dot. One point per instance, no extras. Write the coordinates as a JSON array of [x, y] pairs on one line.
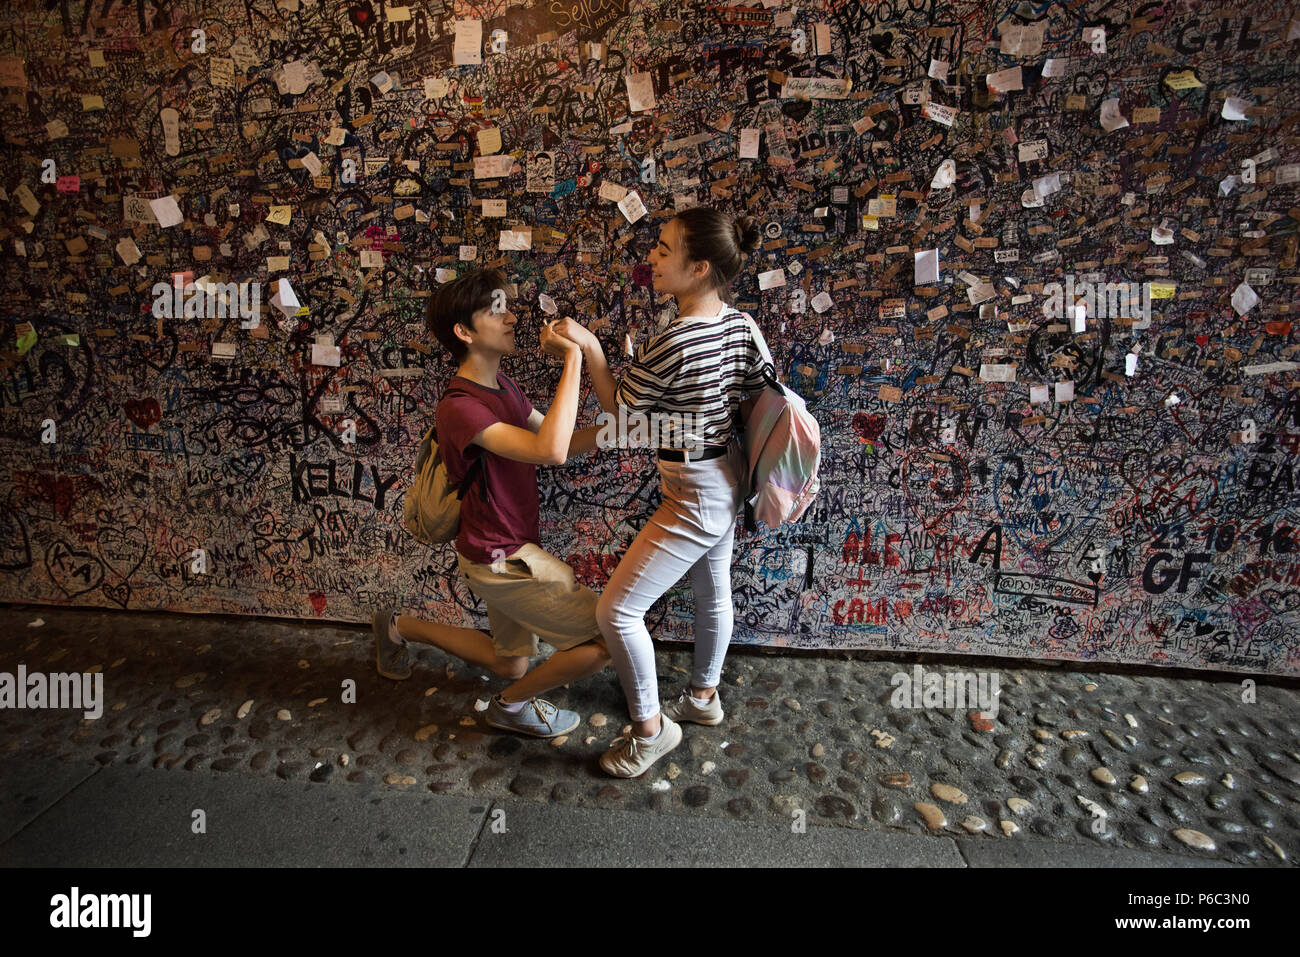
[[467, 47], [640, 92]]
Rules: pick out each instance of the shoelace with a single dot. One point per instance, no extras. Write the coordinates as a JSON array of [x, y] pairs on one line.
[[544, 711], [630, 747]]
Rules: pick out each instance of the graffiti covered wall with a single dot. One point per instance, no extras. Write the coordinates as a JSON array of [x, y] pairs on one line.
[[1033, 266]]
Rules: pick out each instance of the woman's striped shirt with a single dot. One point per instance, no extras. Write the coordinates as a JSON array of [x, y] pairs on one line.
[[704, 366]]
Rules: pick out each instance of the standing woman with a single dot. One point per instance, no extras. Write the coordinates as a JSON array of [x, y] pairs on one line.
[[704, 364]]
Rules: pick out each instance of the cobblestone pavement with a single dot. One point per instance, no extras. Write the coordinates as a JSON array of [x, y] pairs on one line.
[[1123, 757]]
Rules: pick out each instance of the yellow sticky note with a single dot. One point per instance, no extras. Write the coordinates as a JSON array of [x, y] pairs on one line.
[[399, 13], [1183, 80], [280, 215], [1162, 290], [489, 141], [96, 58], [92, 101]]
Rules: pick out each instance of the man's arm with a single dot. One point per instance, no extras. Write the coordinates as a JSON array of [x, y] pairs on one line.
[[583, 441], [602, 380], [549, 445]]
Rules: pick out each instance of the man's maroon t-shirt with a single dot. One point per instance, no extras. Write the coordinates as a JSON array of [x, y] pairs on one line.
[[507, 520]]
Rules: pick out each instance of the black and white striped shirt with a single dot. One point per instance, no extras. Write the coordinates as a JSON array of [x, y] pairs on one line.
[[704, 366]]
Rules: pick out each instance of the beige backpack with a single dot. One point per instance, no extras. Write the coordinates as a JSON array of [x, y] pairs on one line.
[[431, 511]]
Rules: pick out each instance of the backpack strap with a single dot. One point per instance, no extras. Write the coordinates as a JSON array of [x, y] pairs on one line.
[[478, 465], [769, 377], [756, 335]]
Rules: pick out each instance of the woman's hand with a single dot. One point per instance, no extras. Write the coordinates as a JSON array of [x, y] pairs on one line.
[[575, 331], [555, 344]]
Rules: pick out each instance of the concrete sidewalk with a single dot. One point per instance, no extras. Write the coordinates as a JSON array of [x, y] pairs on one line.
[[60, 814], [299, 753]]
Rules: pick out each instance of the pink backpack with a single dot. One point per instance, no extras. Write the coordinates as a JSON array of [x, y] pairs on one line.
[[783, 449]]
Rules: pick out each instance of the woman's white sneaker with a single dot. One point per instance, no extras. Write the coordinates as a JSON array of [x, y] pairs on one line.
[[685, 709], [631, 757]]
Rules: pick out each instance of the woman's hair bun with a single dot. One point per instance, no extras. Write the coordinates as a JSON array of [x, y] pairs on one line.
[[747, 233]]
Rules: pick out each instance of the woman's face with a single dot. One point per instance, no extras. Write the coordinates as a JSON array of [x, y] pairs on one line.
[[673, 272]]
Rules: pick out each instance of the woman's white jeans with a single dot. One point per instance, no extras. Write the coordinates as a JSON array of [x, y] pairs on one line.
[[691, 532]]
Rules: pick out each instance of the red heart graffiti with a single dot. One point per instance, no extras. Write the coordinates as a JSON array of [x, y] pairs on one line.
[[143, 412], [1202, 340]]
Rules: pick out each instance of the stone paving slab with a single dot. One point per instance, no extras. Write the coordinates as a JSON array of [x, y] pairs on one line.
[[1035, 853], [1168, 757], [141, 817], [135, 817], [32, 786], [538, 835]]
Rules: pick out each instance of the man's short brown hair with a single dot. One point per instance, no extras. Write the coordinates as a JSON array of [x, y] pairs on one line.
[[457, 301]]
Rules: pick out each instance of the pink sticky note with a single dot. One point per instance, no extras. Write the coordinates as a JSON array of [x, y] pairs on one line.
[[68, 184]]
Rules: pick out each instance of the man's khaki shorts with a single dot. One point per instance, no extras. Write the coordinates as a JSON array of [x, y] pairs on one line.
[[531, 595]]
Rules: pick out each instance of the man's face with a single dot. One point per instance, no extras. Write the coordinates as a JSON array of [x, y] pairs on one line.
[[494, 327]]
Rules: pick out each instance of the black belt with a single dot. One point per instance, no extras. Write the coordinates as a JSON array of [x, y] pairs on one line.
[[679, 455]]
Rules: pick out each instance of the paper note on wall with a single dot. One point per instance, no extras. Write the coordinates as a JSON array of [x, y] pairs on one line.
[[925, 266], [945, 115], [291, 78], [325, 355], [945, 175], [1033, 150], [1183, 80], [640, 92], [1244, 299], [489, 140], [127, 249], [1234, 108], [1021, 39], [749, 143], [612, 191], [28, 199], [166, 211], [632, 207], [1005, 80], [12, 72], [493, 167], [515, 239], [467, 47], [1110, 117]]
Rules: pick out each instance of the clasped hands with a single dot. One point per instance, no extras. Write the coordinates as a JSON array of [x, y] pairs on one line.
[[560, 337]]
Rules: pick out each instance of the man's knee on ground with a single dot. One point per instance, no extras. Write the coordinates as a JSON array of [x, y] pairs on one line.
[[513, 667]]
